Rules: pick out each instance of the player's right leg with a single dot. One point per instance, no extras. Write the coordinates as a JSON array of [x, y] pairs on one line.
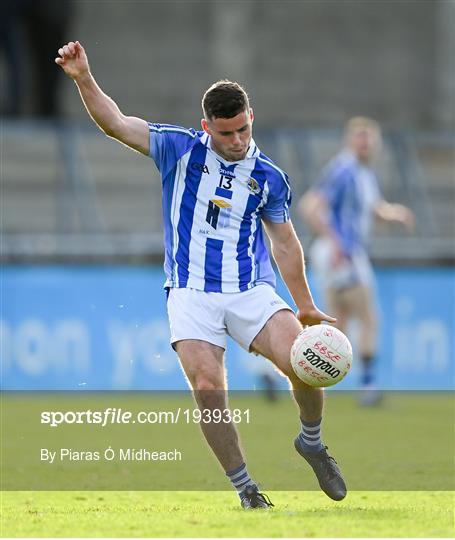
[[198, 336], [203, 365]]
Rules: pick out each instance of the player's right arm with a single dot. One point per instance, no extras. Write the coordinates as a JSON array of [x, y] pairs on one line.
[[314, 209], [129, 130]]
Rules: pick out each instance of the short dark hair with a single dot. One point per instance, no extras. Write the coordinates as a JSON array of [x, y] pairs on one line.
[[224, 99]]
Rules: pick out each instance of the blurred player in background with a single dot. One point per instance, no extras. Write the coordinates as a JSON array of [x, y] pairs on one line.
[[219, 190], [340, 209]]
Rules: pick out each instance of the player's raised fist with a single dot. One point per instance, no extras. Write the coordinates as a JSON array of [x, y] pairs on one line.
[[73, 60]]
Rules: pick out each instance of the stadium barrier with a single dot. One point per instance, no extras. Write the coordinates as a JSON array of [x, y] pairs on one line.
[[105, 328]]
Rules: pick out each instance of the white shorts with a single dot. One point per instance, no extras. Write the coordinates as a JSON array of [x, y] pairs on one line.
[[356, 271], [210, 316]]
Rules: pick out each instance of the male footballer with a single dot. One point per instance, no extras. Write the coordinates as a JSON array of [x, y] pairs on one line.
[[340, 208], [220, 192]]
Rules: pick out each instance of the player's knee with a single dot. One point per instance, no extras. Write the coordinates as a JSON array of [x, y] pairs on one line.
[[287, 370], [209, 395], [282, 359], [283, 365], [206, 383]]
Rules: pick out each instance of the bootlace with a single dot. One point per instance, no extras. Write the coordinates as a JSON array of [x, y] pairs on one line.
[[264, 498], [330, 463], [254, 496]]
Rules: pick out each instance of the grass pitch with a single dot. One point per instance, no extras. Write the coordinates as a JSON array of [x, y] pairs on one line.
[[218, 514], [403, 450]]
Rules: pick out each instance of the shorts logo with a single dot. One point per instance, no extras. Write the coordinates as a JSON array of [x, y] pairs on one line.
[[253, 186], [276, 302], [218, 213]]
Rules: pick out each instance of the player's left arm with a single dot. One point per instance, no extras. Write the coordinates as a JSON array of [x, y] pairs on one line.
[[288, 254], [395, 212]]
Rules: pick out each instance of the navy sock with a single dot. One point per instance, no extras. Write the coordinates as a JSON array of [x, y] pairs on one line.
[[240, 478], [367, 375], [310, 436]]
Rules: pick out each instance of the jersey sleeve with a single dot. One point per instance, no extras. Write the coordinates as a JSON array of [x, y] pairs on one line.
[[168, 143], [279, 200]]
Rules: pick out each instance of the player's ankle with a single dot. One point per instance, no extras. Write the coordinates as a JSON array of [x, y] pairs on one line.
[[310, 436]]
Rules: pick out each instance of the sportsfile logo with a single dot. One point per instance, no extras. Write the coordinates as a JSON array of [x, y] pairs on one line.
[[317, 362]]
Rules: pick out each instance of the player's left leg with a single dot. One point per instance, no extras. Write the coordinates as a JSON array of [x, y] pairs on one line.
[[361, 301], [275, 341], [365, 311]]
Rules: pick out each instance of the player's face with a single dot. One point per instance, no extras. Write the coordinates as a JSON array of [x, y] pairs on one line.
[[230, 136], [365, 143]]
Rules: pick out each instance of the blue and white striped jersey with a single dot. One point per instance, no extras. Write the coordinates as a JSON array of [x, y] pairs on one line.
[[351, 190], [212, 211]]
